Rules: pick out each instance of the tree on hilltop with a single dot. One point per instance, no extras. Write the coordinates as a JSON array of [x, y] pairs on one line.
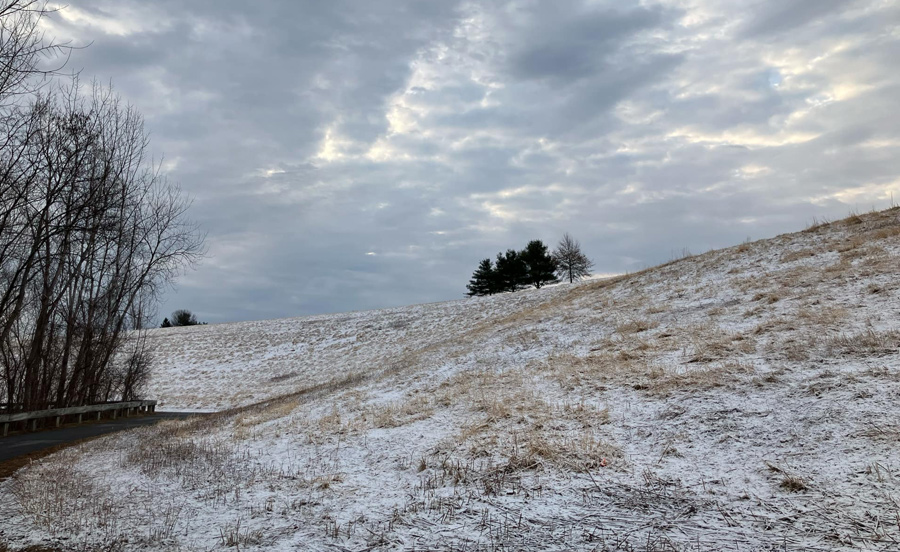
[[512, 272], [184, 317], [484, 280], [541, 266], [571, 263]]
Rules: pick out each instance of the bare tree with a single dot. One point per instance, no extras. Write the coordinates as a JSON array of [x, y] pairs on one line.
[[90, 231], [23, 46], [93, 233], [571, 263]]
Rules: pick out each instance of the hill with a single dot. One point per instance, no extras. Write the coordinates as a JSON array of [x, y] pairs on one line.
[[743, 399]]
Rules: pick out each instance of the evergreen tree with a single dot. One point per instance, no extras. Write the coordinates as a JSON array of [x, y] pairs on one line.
[[484, 280], [166, 323], [512, 272], [540, 264]]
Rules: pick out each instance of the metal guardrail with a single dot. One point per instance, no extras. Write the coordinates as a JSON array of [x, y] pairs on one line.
[[127, 408]]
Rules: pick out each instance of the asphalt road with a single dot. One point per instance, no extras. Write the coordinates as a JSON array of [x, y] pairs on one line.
[[20, 444]]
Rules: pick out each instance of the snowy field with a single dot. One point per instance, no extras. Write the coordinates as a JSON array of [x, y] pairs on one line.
[[743, 399], [210, 368]]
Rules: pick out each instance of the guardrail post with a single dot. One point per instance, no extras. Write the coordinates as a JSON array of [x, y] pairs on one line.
[[98, 415], [80, 417], [58, 420], [114, 414], [34, 424], [5, 429]]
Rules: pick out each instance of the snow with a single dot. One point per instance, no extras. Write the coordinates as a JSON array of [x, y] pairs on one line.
[[744, 399], [213, 367]]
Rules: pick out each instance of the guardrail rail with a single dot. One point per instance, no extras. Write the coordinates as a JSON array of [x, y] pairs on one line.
[[58, 414]]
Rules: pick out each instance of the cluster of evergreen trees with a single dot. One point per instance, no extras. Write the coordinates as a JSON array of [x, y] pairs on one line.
[[532, 266], [181, 317], [514, 270]]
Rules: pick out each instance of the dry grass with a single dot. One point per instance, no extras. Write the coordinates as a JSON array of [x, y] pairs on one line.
[[588, 372], [232, 535], [72, 504], [274, 411], [331, 423], [662, 381], [796, 255], [395, 414], [579, 454], [796, 348], [821, 316], [881, 372], [766, 297], [710, 343], [788, 481], [635, 325], [588, 415], [884, 233], [666, 347], [886, 432], [869, 342], [512, 423], [852, 219], [793, 484], [606, 370]]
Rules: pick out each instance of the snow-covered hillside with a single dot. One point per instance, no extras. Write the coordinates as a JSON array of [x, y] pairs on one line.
[[228, 365], [743, 399]]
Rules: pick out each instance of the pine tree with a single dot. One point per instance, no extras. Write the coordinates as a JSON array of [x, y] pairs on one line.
[[540, 264], [512, 272], [571, 262], [166, 323], [484, 280]]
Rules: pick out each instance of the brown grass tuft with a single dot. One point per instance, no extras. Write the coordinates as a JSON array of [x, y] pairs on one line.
[[635, 325], [793, 483], [869, 342]]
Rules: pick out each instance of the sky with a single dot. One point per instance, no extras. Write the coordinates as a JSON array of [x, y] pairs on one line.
[[349, 155]]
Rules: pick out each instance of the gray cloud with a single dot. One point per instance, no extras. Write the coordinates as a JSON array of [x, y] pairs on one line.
[[347, 155], [773, 18], [564, 42]]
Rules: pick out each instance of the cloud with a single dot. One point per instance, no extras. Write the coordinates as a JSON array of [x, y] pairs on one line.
[[566, 42], [347, 155], [774, 18]]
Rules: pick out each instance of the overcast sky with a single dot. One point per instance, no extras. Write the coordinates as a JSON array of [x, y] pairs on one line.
[[348, 155]]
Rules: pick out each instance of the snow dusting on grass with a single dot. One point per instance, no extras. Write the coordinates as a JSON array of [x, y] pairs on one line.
[[743, 399]]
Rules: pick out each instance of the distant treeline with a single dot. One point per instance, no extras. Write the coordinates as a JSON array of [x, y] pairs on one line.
[[533, 266], [181, 317]]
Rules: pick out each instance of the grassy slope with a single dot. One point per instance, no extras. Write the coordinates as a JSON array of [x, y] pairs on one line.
[[228, 365], [748, 396]]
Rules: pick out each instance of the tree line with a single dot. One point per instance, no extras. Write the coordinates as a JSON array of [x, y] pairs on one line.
[[90, 230], [180, 318], [533, 266]]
